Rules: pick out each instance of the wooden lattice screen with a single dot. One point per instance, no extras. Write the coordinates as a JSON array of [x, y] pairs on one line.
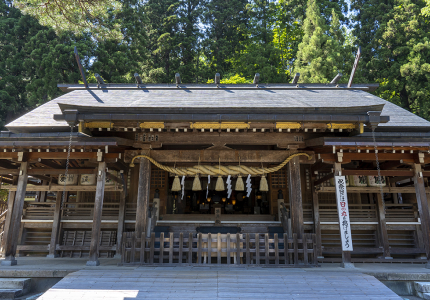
[[279, 179], [158, 178]]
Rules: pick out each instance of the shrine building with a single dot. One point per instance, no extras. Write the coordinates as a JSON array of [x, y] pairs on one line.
[[279, 174]]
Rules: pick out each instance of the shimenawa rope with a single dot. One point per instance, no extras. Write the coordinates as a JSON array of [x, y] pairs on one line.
[[219, 170]]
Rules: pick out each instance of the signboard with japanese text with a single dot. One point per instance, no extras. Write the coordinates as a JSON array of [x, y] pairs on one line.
[[343, 212]]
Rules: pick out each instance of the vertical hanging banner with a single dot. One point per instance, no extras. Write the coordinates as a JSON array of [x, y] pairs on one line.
[[343, 212]]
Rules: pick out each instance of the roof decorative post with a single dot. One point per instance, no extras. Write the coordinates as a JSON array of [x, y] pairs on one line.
[[81, 69]]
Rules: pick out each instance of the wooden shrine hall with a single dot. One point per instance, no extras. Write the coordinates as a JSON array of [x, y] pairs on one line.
[[216, 174]]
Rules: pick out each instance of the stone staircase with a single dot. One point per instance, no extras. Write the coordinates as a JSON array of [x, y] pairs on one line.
[[11, 288]]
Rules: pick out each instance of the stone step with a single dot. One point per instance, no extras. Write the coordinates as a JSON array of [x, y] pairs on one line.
[[15, 283], [425, 296], [423, 287], [10, 293]]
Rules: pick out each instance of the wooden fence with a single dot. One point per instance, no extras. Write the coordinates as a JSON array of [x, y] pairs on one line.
[[244, 249]]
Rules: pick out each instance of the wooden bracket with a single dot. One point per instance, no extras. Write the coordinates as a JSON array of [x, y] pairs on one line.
[[421, 158]]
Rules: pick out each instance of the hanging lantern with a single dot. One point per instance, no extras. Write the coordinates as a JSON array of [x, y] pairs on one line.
[[264, 187], [176, 186], [209, 199], [224, 199], [233, 201], [219, 187], [239, 184], [197, 186]]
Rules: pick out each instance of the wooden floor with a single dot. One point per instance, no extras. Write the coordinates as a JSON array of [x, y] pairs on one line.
[[217, 283]]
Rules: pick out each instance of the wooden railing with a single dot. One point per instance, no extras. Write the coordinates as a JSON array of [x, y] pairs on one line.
[[401, 212], [357, 212], [245, 249]]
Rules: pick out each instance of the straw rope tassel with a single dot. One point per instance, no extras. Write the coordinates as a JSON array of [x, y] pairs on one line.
[[221, 170], [176, 186], [264, 187], [219, 182], [239, 182], [197, 186]]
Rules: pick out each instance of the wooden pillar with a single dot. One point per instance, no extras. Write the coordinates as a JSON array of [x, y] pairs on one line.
[[346, 255], [383, 234], [7, 228], [15, 222], [295, 196], [143, 196], [121, 216], [55, 226], [97, 217], [423, 208], [42, 196], [317, 221]]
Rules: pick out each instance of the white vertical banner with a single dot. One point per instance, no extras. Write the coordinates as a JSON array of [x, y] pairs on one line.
[[343, 212]]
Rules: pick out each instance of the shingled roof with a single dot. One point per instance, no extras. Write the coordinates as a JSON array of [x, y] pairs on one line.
[[266, 100]]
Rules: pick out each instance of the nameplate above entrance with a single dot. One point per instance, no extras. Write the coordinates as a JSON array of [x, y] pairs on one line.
[[216, 156]]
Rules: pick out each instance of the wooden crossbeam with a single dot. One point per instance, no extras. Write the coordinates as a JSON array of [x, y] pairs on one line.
[[406, 158], [324, 179], [50, 164], [60, 188], [33, 172], [225, 156]]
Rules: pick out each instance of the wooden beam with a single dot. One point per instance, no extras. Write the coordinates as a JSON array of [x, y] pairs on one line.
[[97, 216], [213, 156], [55, 226], [369, 189], [320, 166], [121, 216], [34, 156], [7, 165], [295, 196], [14, 229], [423, 208], [51, 164], [114, 178], [43, 193], [60, 188], [229, 138], [406, 158], [143, 197], [346, 255], [383, 233], [390, 165], [324, 179], [383, 172], [43, 171]]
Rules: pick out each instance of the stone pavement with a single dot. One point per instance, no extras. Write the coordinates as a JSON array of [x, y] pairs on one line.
[[217, 283]]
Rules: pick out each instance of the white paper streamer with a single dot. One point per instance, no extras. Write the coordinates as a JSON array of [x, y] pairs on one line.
[[248, 185], [183, 186], [207, 188], [228, 186]]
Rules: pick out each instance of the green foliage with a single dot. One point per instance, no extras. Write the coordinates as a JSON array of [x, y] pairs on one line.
[[234, 79], [226, 22], [3, 195], [33, 60], [198, 38], [76, 16], [426, 9], [399, 51], [322, 53]]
